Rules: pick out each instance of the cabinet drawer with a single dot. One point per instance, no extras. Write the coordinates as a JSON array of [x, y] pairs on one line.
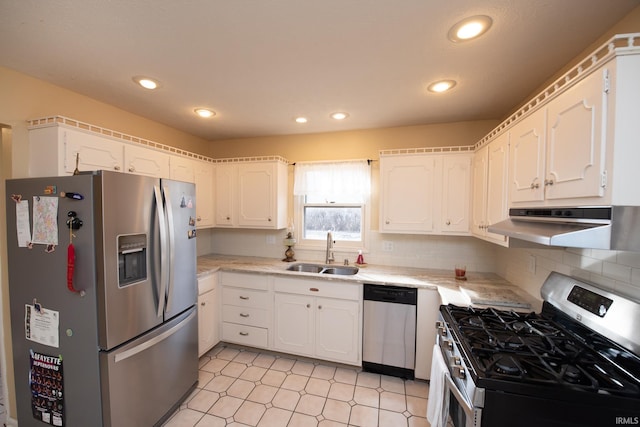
[[245, 280], [245, 297], [242, 334], [342, 290], [245, 315]]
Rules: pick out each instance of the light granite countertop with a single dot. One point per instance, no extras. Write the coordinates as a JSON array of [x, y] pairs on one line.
[[480, 289]]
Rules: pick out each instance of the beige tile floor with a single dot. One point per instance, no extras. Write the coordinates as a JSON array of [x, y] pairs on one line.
[[244, 387]]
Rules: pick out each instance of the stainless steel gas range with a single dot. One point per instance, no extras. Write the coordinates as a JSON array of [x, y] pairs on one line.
[[574, 364]]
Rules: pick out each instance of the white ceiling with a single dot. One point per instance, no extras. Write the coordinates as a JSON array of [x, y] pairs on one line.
[[260, 63]]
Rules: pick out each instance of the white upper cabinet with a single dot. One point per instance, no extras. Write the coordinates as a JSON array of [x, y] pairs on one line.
[[144, 161], [528, 143], [456, 191], [558, 151], [425, 193], [251, 194], [182, 169], [203, 177], [407, 193], [490, 173]]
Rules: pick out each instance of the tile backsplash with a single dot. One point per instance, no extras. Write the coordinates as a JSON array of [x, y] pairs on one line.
[[528, 268]]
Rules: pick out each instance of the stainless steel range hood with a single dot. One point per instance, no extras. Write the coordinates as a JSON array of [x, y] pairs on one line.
[[599, 227]]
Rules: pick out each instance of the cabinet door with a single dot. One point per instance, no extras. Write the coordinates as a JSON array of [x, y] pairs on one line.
[[575, 147], [408, 193], [527, 158], [497, 181], [294, 323], [182, 169], [256, 195], [224, 194], [456, 193], [480, 167], [208, 334], [92, 152], [337, 330], [145, 161], [203, 175]]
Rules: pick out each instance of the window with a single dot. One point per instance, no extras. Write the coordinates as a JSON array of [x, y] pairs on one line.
[[332, 197]]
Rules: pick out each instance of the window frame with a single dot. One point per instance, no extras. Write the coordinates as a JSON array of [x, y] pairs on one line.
[[340, 245]]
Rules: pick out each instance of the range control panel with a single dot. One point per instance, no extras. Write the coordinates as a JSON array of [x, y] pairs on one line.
[[590, 301]]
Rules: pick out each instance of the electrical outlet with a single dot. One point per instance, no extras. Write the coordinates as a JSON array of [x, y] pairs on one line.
[[387, 246], [271, 239], [532, 264]]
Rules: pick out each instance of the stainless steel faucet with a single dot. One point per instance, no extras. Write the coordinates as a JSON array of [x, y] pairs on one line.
[[329, 255]]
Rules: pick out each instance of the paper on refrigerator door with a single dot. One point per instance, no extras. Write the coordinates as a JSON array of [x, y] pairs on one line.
[[45, 220], [22, 223], [41, 325]]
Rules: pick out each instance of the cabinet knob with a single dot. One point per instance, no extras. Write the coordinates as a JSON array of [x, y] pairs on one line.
[[203, 304], [535, 185], [269, 219], [199, 218], [228, 218], [319, 307], [548, 182], [116, 168], [132, 169], [386, 222], [308, 305], [448, 222]]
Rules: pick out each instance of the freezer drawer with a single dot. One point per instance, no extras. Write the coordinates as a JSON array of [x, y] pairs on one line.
[[145, 380]]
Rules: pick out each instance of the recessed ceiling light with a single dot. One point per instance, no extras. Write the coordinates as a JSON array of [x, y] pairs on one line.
[[301, 120], [204, 112], [441, 86], [339, 116], [146, 82], [470, 28]]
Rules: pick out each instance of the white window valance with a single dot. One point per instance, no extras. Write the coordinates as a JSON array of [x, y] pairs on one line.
[[349, 178]]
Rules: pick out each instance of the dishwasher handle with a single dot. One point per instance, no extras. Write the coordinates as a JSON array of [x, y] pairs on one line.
[[390, 294]]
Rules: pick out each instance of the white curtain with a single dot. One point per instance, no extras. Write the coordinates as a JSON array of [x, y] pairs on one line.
[[339, 179]]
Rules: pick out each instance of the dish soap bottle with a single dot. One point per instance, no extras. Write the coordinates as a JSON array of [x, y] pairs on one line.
[[360, 259]]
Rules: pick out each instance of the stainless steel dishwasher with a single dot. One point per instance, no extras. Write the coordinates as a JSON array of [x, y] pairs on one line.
[[389, 330]]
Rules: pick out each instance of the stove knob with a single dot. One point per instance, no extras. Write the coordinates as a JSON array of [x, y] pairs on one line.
[[439, 324], [456, 360], [448, 344], [442, 332], [459, 372]]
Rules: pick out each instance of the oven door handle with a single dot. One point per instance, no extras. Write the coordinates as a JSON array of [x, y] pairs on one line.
[[468, 409]]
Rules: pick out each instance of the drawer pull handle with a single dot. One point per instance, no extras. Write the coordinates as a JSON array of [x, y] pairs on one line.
[[314, 289], [243, 297], [244, 334], [244, 315]]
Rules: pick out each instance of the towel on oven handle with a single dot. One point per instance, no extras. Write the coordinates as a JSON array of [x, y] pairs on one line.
[[438, 402]]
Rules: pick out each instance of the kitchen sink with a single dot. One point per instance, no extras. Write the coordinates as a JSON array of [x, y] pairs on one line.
[[324, 269]]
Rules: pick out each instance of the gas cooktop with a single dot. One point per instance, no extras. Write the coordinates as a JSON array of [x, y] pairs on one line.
[[509, 350]]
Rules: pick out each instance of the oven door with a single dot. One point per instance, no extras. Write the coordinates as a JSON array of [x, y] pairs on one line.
[[461, 411]]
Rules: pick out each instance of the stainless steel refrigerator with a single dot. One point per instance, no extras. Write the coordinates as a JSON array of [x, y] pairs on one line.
[[103, 289]]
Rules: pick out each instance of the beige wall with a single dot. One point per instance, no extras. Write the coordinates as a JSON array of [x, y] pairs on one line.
[[353, 144], [23, 97]]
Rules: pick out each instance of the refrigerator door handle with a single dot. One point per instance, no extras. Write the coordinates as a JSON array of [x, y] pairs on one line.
[[153, 341], [162, 226], [172, 247]]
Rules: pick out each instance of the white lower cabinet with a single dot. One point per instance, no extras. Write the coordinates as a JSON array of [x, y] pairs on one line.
[[427, 315], [247, 305], [208, 313], [318, 319]]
